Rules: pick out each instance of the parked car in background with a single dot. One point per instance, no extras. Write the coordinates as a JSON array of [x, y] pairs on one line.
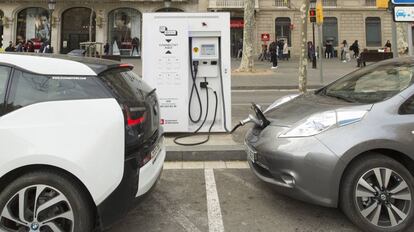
[[80, 140], [349, 144]]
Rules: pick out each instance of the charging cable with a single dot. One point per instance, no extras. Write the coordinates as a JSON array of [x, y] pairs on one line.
[[194, 64], [205, 86]]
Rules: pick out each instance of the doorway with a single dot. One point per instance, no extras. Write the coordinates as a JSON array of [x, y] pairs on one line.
[[75, 28]]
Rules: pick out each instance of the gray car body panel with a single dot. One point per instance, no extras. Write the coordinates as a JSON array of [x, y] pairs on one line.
[[318, 162]]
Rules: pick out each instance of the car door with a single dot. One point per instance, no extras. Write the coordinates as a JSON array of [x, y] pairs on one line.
[[4, 79], [406, 113]]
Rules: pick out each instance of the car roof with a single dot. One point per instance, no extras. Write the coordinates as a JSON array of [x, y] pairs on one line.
[[50, 64]]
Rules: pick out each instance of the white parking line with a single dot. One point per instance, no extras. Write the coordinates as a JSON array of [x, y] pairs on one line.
[[174, 165], [215, 219]]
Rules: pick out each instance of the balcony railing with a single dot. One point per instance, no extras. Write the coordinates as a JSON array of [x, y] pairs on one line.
[[229, 4]]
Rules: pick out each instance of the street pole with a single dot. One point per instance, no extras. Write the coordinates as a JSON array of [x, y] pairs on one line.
[[410, 39], [50, 31], [320, 52], [394, 38], [314, 47]]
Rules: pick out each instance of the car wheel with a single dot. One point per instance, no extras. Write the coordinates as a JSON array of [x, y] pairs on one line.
[[377, 194], [44, 202]]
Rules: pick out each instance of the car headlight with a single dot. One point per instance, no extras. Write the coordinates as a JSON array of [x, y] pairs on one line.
[[321, 122]]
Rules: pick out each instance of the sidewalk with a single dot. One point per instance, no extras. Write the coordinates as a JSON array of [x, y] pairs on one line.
[[285, 77]]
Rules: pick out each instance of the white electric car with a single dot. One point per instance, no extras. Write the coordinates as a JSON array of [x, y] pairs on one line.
[[80, 140]]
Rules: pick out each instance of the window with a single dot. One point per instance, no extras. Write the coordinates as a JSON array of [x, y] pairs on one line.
[[408, 106], [283, 30], [282, 3], [329, 3], [124, 32], [4, 76], [330, 30], [372, 84], [373, 31], [33, 24], [32, 88], [370, 2]]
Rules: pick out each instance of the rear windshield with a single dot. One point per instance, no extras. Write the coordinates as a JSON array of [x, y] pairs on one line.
[[29, 88], [125, 84], [372, 84]]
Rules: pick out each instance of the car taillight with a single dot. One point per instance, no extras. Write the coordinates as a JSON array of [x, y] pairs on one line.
[[145, 160], [134, 115]]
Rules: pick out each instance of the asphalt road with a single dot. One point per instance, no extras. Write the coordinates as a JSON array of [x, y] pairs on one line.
[[182, 202]]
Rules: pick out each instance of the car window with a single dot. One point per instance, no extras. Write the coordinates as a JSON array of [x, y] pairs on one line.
[[125, 84], [4, 76], [30, 88], [408, 106], [372, 85]]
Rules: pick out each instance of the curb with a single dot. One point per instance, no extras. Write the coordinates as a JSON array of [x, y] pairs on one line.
[[279, 87], [206, 153]]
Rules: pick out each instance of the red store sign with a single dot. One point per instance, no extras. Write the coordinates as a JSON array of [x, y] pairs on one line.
[[265, 37], [236, 23]]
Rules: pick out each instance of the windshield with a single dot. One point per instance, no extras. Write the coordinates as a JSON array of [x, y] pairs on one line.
[[373, 84]]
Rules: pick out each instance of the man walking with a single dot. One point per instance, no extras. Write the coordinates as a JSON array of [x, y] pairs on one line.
[[273, 54]]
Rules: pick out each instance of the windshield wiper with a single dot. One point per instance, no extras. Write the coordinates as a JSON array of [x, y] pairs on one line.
[[339, 97]]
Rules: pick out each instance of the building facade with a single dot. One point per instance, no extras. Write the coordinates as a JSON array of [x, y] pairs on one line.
[[118, 22]]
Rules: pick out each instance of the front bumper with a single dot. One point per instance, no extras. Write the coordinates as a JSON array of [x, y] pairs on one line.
[[302, 168], [135, 183]]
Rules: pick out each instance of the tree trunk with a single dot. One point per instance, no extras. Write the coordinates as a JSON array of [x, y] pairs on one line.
[[247, 61], [303, 62], [402, 43]]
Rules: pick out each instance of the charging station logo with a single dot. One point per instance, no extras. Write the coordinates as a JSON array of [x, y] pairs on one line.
[[164, 30]]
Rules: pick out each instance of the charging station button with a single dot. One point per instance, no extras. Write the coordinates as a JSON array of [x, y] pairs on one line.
[[213, 62]]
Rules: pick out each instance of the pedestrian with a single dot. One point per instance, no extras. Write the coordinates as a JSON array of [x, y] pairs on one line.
[[30, 46], [106, 48], [240, 48], [355, 48], [135, 46], [311, 51], [387, 46], [262, 55], [273, 54], [286, 51], [280, 46], [20, 47], [328, 49], [345, 57], [10, 48]]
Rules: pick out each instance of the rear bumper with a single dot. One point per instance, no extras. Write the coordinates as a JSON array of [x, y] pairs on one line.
[[135, 182]]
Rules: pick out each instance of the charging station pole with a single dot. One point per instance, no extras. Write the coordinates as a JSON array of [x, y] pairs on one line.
[[186, 57]]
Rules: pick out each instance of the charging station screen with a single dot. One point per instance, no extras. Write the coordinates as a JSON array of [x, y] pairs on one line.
[[208, 50]]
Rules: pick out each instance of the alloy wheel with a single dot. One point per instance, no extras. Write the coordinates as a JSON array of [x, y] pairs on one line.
[[37, 208], [383, 197]]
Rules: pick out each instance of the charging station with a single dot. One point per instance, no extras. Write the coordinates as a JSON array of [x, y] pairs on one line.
[[186, 57]]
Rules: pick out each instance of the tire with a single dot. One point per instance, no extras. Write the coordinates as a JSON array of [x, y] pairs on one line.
[[369, 207], [56, 194]]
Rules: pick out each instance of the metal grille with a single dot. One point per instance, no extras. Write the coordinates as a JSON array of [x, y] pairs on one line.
[[282, 3]]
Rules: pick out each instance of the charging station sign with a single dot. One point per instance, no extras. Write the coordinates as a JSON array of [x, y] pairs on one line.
[[404, 13]]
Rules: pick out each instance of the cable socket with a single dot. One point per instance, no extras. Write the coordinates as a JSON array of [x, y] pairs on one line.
[[204, 84]]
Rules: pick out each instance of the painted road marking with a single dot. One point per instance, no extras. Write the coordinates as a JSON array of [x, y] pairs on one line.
[[173, 165], [215, 219]]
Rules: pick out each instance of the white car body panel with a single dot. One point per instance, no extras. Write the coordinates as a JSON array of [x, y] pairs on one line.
[[149, 173], [47, 65], [83, 137]]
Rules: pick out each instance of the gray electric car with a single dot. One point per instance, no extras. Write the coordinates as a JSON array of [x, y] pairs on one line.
[[348, 145]]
